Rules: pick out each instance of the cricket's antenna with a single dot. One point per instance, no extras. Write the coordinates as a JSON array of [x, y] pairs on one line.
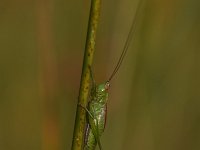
[[127, 43]]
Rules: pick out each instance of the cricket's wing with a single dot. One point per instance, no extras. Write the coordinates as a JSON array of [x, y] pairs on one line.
[[95, 128]]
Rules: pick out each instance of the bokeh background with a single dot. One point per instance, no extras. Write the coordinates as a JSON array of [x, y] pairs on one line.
[[154, 101]]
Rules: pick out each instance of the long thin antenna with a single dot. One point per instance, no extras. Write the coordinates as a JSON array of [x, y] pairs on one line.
[[127, 43]]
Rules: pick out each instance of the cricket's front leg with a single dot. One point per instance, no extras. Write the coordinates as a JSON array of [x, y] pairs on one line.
[[92, 77], [85, 108]]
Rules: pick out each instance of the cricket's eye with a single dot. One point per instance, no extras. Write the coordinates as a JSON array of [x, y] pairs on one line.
[[107, 85]]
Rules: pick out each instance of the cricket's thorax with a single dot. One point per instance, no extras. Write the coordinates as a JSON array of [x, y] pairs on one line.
[[101, 93]]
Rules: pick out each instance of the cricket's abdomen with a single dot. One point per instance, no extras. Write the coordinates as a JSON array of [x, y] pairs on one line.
[[99, 112]]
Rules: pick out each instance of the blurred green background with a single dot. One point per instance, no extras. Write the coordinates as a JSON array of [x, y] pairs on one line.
[[154, 101]]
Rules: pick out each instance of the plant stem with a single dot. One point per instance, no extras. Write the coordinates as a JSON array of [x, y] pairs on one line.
[[78, 137]]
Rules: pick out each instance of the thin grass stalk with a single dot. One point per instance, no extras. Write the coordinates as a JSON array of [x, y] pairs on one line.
[[80, 121]]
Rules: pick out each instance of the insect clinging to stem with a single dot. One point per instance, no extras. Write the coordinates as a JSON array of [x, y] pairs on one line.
[[97, 106]]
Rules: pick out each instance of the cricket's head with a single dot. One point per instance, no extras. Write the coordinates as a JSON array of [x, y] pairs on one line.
[[103, 88]]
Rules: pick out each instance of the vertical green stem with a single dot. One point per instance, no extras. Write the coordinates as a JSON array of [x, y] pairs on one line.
[[78, 137]]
